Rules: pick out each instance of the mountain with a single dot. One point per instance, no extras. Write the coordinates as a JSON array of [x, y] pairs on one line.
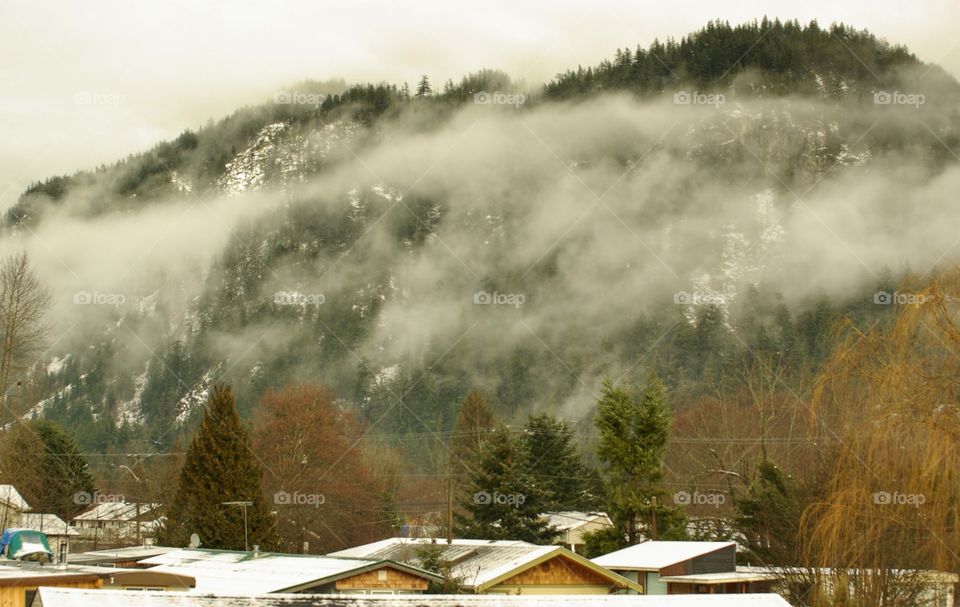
[[681, 209]]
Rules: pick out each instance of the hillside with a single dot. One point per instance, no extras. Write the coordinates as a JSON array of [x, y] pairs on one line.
[[405, 249]]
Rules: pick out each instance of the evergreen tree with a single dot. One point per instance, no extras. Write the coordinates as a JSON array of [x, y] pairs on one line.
[[769, 516], [502, 501], [423, 87], [219, 467], [552, 456], [633, 439], [43, 463]]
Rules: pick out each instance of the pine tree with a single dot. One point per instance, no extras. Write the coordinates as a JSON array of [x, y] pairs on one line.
[[502, 501], [769, 516], [219, 467], [633, 439], [553, 459], [423, 88]]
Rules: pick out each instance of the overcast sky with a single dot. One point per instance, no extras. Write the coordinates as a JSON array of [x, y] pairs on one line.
[[82, 83]]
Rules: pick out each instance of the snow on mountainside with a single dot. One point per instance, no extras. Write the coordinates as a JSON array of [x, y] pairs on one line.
[[280, 156]]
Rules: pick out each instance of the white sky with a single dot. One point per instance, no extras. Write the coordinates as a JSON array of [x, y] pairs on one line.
[[176, 63]]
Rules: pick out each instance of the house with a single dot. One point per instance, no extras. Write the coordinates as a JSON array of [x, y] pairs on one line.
[[686, 568], [12, 505], [573, 525], [237, 572], [117, 522], [503, 567], [19, 581], [66, 597], [55, 528]]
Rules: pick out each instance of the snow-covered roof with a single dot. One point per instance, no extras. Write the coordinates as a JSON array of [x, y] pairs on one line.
[[565, 521], [71, 597], [118, 555], [116, 511], [479, 563], [11, 497], [50, 524], [655, 555], [231, 572]]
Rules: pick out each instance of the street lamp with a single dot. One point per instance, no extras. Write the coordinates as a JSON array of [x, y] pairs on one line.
[[243, 506]]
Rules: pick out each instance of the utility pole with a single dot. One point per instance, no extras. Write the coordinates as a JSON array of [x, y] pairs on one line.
[[449, 508], [243, 506], [653, 527]]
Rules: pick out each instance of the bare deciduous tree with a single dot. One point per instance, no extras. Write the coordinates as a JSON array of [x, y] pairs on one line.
[[23, 304]]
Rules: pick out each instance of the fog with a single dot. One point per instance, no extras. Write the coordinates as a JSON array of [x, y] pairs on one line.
[[580, 218]]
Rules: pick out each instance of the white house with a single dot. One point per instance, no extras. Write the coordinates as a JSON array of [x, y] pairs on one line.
[[117, 522], [573, 525]]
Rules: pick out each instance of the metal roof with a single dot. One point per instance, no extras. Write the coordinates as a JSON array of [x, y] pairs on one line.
[[655, 555], [224, 571], [479, 563], [70, 597], [118, 555]]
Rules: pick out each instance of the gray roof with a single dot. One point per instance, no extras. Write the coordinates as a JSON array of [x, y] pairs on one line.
[[226, 571], [69, 597], [479, 563]]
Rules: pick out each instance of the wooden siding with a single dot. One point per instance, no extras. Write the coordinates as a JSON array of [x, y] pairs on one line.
[[15, 596], [558, 571], [395, 580]]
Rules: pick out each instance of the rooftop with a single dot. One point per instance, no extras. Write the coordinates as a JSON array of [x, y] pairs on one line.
[[565, 521], [479, 563], [11, 497], [50, 524], [230, 572], [655, 555], [118, 555], [115, 511], [68, 597]]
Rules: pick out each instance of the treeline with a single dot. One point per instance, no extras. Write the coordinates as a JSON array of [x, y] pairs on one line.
[[786, 57]]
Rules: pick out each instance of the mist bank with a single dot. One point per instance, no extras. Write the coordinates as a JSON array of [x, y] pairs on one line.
[[566, 240]]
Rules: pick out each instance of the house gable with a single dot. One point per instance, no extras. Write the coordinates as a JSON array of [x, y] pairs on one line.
[[557, 571], [385, 578]]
